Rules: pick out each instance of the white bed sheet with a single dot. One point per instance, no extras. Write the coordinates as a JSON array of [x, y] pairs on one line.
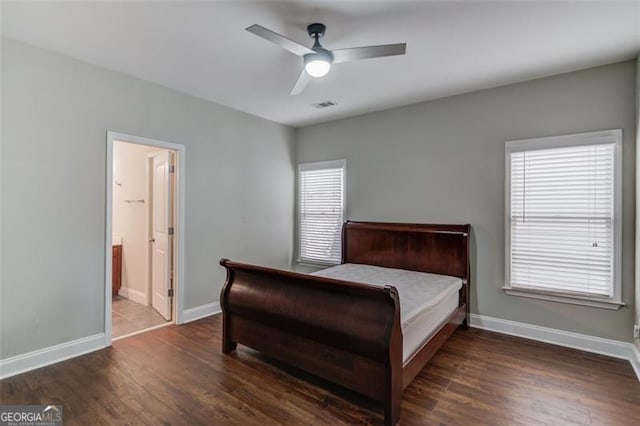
[[426, 300]]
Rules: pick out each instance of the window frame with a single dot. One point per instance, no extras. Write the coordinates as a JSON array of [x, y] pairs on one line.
[[613, 136], [319, 165]]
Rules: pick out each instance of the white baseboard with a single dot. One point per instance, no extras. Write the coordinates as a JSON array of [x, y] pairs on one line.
[[133, 295], [583, 342], [635, 360], [47, 356], [201, 311], [42, 357]]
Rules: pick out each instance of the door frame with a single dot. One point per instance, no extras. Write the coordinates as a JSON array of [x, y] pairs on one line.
[[179, 244]]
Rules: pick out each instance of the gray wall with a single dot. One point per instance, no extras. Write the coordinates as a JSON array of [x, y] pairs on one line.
[[55, 115], [443, 161]]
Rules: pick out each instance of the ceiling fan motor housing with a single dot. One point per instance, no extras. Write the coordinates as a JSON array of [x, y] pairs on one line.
[[316, 30], [321, 54]]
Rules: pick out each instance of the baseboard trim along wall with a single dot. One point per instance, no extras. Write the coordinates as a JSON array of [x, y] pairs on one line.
[[613, 348], [635, 361], [583, 342], [51, 355], [133, 295], [201, 311]]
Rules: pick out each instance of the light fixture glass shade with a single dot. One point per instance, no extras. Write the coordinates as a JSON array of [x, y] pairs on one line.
[[317, 67]]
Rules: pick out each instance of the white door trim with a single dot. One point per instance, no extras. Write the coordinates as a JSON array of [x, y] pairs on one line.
[[179, 232]]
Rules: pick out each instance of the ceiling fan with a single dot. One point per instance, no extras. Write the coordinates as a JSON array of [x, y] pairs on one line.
[[317, 59]]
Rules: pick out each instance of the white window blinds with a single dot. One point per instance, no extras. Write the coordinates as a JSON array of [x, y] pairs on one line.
[[320, 211], [562, 215]]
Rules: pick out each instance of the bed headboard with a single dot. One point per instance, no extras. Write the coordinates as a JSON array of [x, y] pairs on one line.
[[439, 249]]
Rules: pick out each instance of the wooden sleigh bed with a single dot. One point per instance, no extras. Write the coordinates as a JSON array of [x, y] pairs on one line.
[[346, 332]]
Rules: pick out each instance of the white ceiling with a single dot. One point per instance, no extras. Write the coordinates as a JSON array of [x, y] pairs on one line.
[[201, 48]]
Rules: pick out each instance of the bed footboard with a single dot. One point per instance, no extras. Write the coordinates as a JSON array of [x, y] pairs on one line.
[[344, 332]]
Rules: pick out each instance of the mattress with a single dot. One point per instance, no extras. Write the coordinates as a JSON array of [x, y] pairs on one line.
[[426, 300]]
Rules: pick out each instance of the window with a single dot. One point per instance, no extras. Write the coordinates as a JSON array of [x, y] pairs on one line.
[[321, 211], [563, 218]]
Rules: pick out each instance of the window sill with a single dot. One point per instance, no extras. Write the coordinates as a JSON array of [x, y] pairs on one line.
[[317, 265], [563, 298]]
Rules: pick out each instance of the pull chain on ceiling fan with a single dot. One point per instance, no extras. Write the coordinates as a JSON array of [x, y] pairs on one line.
[[318, 60]]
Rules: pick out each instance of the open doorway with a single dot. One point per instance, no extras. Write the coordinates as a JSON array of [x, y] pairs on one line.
[[143, 231]]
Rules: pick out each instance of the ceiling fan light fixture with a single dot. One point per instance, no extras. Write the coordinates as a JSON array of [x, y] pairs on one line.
[[317, 68], [318, 64]]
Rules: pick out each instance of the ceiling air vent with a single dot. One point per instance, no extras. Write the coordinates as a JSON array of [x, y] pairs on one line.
[[325, 104]]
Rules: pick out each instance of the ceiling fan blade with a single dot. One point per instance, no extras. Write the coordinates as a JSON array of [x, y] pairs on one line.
[[282, 41], [301, 83], [367, 52]]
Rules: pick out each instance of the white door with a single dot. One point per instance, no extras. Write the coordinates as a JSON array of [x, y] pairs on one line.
[[162, 244]]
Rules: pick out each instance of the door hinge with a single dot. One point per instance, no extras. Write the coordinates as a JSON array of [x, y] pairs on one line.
[[171, 230], [170, 292], [172, 169]]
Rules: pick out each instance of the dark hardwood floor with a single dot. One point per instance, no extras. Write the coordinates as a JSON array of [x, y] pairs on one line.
[[178, 375]]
